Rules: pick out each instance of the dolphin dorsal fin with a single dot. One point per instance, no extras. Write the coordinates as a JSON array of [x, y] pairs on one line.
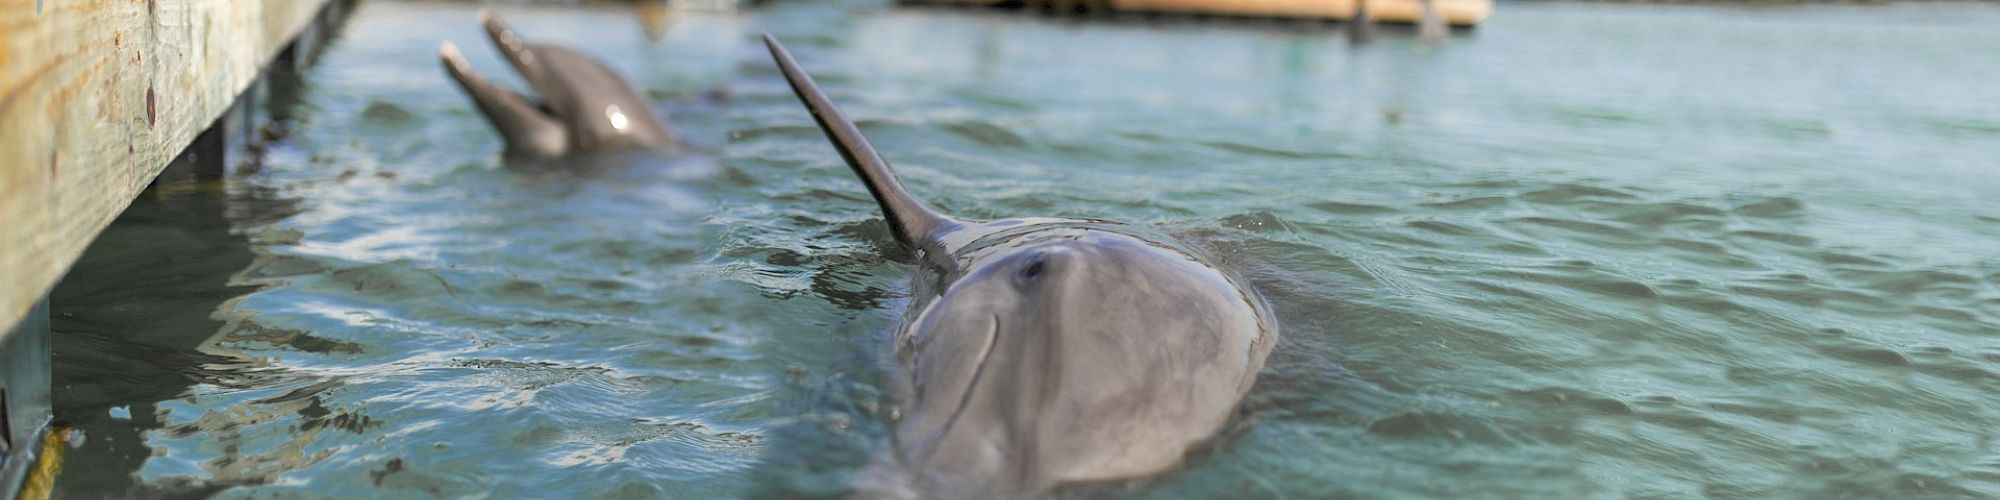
[[909, 218]]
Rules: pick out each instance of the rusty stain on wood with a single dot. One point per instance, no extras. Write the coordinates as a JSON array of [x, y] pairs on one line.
[[106, 120]]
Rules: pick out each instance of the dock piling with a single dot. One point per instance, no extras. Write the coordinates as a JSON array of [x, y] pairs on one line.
[[24, 395]]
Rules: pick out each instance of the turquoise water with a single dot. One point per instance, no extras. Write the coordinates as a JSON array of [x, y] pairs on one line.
[[1583, 251]]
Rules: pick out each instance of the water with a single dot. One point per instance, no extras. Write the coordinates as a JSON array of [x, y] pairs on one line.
[[1584, 251]]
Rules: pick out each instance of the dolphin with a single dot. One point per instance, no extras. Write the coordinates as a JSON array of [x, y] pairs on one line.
[[584, 106], [1042, 352]]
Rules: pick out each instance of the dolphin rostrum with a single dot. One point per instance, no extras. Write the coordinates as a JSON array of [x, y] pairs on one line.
[[1040, 352], [584, 106]]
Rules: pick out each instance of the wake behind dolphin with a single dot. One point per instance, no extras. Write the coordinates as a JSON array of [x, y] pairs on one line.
[[584, 105], [1039, 352]]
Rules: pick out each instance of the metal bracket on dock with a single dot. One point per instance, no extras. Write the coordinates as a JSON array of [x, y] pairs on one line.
[[24, 396], [6, 428]]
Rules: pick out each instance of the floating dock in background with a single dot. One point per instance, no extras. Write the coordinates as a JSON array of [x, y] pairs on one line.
[[1454, 12], [96, 100]]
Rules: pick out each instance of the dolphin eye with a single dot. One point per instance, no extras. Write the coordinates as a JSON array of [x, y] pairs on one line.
[[1032, 270]]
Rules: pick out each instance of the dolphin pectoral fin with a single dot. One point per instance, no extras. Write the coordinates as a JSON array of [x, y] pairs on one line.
[[527, 130], [911, 220]]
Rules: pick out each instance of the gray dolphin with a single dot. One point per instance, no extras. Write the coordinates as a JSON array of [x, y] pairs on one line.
[[1040, 352], [585, 105]]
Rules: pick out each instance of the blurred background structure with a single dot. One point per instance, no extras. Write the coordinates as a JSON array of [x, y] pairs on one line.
[[1454, 12]]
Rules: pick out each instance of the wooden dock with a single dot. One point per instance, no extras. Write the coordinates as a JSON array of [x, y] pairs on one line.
[[96, 99]]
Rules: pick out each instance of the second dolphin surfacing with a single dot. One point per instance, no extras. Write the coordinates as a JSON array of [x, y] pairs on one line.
[[1040, 352], [583, 105]]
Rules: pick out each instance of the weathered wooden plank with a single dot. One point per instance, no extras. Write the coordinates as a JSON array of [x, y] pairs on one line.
[[96, 96]]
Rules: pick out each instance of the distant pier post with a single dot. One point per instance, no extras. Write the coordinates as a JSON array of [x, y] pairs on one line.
[[1361, 26]]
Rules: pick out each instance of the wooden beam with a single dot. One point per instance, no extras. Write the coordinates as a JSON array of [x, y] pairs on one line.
[[96, 96]]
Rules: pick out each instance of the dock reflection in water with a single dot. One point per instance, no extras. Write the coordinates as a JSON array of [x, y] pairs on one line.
[[136, 322]]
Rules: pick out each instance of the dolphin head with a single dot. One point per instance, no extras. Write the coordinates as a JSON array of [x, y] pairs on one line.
[[1053, 351], [1072, 352], [584, 105]]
